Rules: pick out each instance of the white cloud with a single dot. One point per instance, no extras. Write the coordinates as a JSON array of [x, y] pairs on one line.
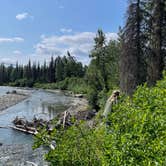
[[7, 61], [17, 52], [11, 40], [111, 36], [79, 45], [23, 16], [66, 30]]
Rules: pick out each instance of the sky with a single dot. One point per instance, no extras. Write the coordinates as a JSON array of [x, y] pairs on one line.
[[39, 29]]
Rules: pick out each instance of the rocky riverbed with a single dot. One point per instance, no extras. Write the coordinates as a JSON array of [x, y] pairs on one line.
[[21, 155]]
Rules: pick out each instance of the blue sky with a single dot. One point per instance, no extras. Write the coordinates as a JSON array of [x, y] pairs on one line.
[[38, 29]]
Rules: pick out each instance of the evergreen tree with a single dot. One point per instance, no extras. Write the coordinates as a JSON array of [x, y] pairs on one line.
[[51, 71], [34, 72], [132, 62], [157, 41], [99, 57], [59, 71]]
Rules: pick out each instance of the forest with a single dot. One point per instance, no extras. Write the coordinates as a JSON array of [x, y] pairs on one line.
[[56, 70], [135, 132]]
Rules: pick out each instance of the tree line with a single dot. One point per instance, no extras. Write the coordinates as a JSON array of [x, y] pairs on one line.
[[56, 70]]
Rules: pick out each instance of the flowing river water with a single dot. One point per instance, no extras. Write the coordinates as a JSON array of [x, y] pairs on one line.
[[41, 103]]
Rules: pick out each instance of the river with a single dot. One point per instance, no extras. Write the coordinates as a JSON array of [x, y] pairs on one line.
[[41, 103]]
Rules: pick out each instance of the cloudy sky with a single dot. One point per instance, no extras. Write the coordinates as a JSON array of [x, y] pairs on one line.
[[38, 29]]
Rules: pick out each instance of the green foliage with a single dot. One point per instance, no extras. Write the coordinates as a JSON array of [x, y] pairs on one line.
[[93, 98], [103, 72], [55, 71], [22, 83], [46, 85], [138, 128], [102, 98], [72, 152], [74, 84], [135, 134]]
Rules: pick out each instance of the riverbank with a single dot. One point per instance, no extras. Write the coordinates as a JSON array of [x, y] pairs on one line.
[[13, 98], [21, 155], [78, 107]]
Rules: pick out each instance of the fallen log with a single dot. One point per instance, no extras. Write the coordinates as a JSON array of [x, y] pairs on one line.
[[21, 124], [18, 128], [26, 128]]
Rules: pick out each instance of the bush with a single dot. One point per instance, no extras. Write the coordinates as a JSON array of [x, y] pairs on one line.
[[138, 128], [23, 83], [135, 136], [46, 85], [93, 98], [75, 147]]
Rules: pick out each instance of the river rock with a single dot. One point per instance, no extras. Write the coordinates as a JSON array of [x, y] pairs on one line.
[[79, 95], [21, 155]]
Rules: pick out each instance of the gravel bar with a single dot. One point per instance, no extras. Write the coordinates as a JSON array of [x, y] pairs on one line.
[[9, 100]]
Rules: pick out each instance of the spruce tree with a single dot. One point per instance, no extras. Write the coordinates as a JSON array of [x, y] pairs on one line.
[[132, 64], [157, 41]]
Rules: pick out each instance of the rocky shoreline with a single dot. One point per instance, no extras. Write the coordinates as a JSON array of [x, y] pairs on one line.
[[23, 155]]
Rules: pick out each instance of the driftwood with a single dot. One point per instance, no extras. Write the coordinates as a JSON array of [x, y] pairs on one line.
[[79, 95], [19, 128], [28, 130], [21, 124], [66, 119]]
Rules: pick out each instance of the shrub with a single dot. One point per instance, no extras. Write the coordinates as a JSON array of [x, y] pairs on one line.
[[74, 84], [135, 136]]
